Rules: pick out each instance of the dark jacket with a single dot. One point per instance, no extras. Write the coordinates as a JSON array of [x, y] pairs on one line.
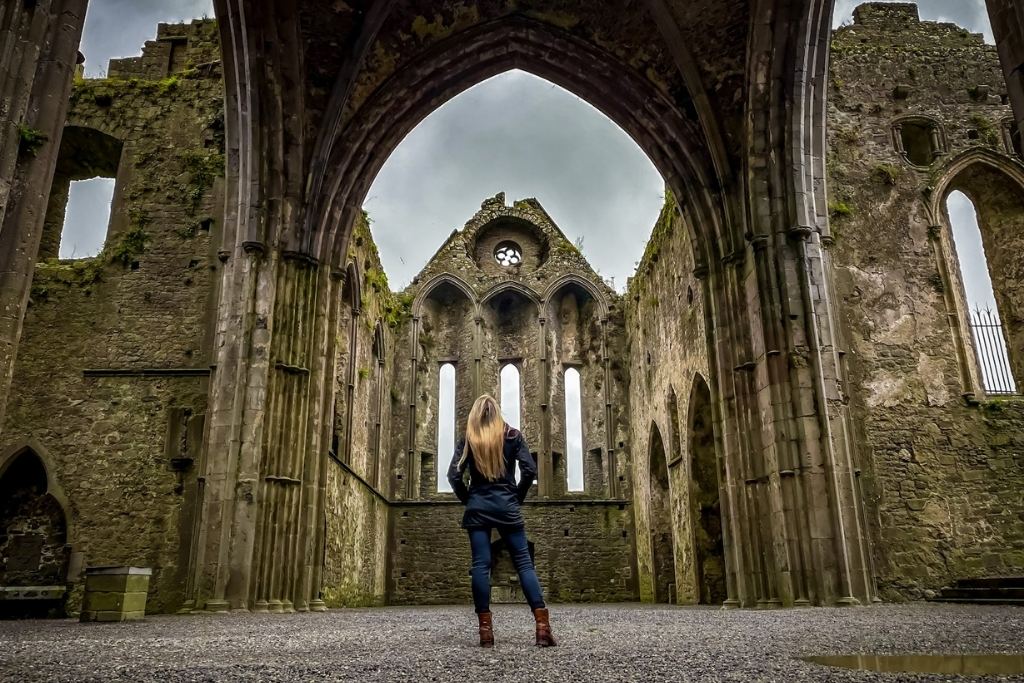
[[494, 503]]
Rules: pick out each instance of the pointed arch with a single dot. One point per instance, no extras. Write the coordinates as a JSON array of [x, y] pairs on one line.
[[434, 284], [353, 291], [570, 280], [663, 573], [35, 526], [514, 287], [705, 496], [673, 138], [955, 167], [36, 449]]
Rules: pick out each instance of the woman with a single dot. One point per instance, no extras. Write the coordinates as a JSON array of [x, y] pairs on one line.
[[492, 501]]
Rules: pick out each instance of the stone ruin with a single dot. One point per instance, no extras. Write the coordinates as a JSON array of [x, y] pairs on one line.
[[786, 416]]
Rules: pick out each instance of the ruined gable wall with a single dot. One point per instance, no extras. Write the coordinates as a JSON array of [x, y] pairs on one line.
[[124, 442], [941, 477], [583, 540], [666, 349]]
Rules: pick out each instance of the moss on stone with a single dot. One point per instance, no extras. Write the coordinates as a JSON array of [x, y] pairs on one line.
[[30, 140]]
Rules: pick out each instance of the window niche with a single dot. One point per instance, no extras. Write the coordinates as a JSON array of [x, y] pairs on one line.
[[84, 197], [1012, 138], [573, 432], [445, 424], [920, 141]]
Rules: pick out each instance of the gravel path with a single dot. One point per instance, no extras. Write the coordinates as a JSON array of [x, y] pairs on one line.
[[597, 642]]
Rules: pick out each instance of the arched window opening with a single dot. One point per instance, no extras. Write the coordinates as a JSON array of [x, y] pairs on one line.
[[986, 325], [573, 431], [445, 424], [79, 212], [919, 142], [662, 542], [511, 397]]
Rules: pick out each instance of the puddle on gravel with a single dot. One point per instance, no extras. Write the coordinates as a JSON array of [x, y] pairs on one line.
[[969, 665]]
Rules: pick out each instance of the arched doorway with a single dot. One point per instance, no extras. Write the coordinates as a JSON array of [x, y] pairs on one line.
[[34, 547], [663, 567], [706, 508]]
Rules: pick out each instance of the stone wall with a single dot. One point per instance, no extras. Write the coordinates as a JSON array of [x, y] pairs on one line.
[[667, 353], [942, 466], [583, 552], [111, 371], [358, 482]]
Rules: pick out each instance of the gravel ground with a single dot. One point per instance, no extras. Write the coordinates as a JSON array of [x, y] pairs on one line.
[[596, 642]]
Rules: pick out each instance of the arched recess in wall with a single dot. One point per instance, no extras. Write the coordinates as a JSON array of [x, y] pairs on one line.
[[705, 502], [444, 332], [575, 313], [663, 572], [352, 299], [34, 521], [991, 343], [378, 376]]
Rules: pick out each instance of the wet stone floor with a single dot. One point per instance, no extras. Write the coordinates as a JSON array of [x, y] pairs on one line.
[[596, 642]]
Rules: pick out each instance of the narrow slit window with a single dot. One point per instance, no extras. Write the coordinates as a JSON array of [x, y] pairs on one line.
[[573, 431], [445, 424], [510, 398], [87, 217], [986, 326]]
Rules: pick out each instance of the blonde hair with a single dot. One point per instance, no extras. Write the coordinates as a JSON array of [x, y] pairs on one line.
[[485, 438]]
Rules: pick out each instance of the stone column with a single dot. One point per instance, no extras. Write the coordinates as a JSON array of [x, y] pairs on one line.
[[40, 48], [1007, 18]]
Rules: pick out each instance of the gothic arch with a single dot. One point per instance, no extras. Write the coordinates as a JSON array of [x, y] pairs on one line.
[[672, 138], [353, 290], [433, 284], [511, 287], [53, 487], [556, 287], [663, 573], [35, 509], [953, 170]]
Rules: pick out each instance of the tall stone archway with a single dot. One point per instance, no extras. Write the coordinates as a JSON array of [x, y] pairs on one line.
[[706, 505], [663, 567]]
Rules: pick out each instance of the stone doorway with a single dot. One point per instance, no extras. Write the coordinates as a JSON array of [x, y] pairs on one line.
[[663, 569], [709, 549]]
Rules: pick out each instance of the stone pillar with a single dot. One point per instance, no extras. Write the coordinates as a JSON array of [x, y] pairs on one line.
[[1007, 18], [40, 48]]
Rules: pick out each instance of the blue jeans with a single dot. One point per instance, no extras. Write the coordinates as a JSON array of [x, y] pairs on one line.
[[515, 541]]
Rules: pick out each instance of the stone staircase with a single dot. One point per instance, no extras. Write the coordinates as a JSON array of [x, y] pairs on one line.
[[1000, 590]]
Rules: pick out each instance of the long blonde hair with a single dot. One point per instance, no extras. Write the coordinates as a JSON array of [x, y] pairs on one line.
[[485, 438]]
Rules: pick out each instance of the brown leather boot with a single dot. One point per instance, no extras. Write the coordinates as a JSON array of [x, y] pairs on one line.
[[486, 629], [544, 637]]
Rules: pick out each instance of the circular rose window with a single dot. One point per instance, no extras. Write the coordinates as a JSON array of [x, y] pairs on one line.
[[508, 254]]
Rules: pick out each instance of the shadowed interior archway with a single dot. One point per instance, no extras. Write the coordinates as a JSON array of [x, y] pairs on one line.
[[663, 567]]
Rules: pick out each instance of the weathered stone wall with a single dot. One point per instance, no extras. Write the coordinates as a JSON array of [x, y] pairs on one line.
[[941, 472], [358, 485], [110, 378], [667, 351], [583, 552]]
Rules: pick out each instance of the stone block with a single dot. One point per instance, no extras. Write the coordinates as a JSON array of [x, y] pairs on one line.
[[115, 593]]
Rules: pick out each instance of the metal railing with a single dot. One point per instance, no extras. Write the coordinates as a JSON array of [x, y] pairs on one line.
[[990, 348]]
